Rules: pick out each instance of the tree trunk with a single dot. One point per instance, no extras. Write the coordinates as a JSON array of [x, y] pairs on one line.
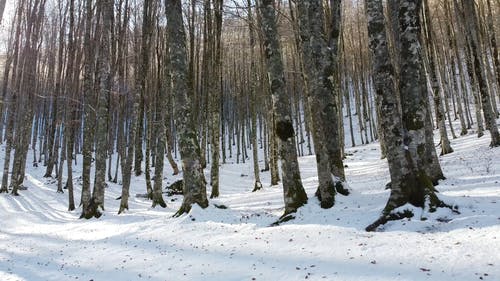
[[413, 92], [313, 48], [409, 183], [473, 34], [89, 209], [436, 89], [215, 98], [294, 193], [194, 181], [253, 101], [105, 82], [2, 8]]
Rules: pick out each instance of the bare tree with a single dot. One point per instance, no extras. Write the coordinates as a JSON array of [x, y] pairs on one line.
[[473, 35], [294, 193], [409, 183], [194, 180]]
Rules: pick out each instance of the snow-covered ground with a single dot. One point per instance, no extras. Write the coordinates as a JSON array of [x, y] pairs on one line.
[[41, 240]]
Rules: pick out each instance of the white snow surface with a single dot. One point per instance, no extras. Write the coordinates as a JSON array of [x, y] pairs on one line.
[[41, 240]]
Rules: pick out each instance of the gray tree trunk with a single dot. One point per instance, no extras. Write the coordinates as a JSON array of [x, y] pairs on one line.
[[253, 100], [409, 184], [215, 98], [334, 143], [88, 206], [294, 193], [105, 78], [194, 181], [413, 92], [436, 89], [473, 34], [11, 111], [2, 9], [313, 46], [27, 88]]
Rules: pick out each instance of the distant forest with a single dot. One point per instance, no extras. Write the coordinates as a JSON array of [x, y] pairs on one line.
[[131, 84]]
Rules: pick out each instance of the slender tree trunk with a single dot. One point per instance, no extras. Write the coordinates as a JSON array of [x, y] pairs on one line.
[[493, 41], [215, 98], [473, 34], [253, 100], [436, 89], [88, 210], [160, 128]]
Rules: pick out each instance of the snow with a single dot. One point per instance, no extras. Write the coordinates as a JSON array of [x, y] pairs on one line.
[[41, 240]]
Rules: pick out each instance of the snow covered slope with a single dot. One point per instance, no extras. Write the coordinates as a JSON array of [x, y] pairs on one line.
[[41, 240]]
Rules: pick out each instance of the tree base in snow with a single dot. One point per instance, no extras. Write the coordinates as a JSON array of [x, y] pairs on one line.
[[339, 187], [257, 186], [398, 215], [91, 211], [284, 218]]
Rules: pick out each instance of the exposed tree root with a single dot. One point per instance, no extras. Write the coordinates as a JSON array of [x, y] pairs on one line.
[[339, 187], [257, 186], [389, 217], [182, 210], [284, 218]]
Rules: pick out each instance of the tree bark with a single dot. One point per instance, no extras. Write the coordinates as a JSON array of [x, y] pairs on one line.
[[413, 92], [88, 208], [473, 34], [294, 193], [409, 183], [313, 46], [105, 78], [253, 100], [194, 180], [215, 98], [435, 87]]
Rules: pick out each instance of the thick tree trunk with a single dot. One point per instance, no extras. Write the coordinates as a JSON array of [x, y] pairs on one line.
[[194, 180], [413, 92], [104, 73], [294, 193], [409, 183], [314, 50]]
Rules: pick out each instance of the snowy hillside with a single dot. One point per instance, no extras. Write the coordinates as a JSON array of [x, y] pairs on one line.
[[41, 240]]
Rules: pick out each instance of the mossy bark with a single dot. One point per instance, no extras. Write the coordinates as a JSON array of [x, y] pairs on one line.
[[294, 193], [194, 180], [105, 79], [409, 181], [314, 51], [413, 91]]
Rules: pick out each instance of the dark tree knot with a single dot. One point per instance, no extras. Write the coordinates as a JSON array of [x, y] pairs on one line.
[[284, 130]]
